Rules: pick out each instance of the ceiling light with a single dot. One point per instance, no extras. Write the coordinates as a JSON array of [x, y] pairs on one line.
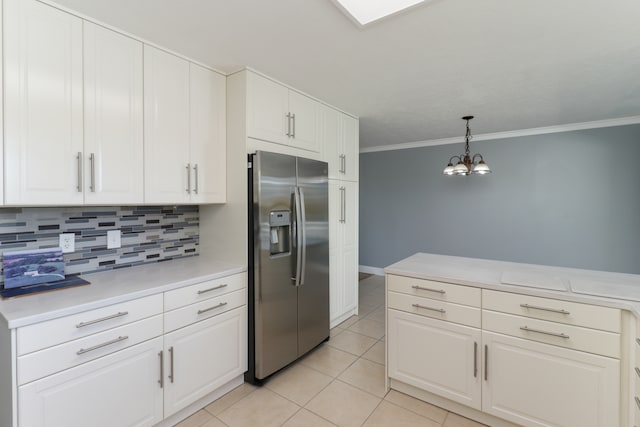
[[467, 164], [365, 12]]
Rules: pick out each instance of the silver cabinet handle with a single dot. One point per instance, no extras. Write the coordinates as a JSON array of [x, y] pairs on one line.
[[475, 359], [215, 288], [486, 362], [204, 310], [102, 319], [195, 172], [439, 310], [92, 163], [343, 164], [637, 371], [161, 380], [293, 118], [420, 288], [171, 364], [188, 178], [104, 344], [637, 401], [537, 331], [288, 116], [552, 310], [343, 203], [79, 159]]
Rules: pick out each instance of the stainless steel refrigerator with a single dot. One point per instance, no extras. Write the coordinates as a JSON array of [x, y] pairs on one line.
[[288, 260]]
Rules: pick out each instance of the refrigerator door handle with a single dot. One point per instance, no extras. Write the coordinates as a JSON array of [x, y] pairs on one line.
[[303, 228], [298, 227]]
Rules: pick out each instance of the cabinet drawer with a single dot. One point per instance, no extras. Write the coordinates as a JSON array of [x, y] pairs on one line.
[[571, 313], [57, 331], [203, 291], [55, 359], [448, 292], [575, 337], [455, 313], [204, 309]]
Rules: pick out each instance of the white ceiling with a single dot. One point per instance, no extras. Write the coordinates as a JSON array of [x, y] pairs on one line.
[[514, 64]]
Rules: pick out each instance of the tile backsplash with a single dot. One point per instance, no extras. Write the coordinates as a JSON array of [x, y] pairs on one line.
[[149, 234]]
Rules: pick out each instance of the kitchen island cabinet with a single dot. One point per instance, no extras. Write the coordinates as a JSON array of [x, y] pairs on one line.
[[143, 347], [545, 354]]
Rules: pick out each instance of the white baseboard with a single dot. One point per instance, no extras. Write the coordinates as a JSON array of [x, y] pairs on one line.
[[371, 270]]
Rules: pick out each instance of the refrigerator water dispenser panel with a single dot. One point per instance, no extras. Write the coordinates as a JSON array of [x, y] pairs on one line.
[[280, 232]]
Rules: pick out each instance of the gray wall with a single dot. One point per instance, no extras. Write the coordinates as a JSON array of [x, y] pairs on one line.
[[568, 199]]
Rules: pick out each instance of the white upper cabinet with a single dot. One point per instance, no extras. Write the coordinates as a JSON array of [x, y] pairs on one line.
[[43, 105], [306, 120], [167, 170], [1, 122], [278, 114], [340, 142], [185, 131], [113, 122], [208, 135]]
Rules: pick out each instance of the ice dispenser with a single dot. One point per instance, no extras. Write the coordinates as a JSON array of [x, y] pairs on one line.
[[280, 232]]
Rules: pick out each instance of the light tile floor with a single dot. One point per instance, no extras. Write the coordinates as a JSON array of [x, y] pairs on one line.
[[341, 383]]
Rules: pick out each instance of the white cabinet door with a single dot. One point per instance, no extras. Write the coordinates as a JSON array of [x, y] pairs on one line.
[[340, 144], [43, 105], [166, 128], [306, 117], [534, 384], [349, 148], [267, 110], [121, 389], [331, 136], [113, 122], [1, 121], [437, 356], [343, 249], [208, 135], [204, 356]]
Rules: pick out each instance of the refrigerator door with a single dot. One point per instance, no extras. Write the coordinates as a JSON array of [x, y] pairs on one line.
[[313, 292], [275, 293]]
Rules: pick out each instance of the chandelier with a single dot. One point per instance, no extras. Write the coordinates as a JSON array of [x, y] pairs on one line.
[[467, 164]]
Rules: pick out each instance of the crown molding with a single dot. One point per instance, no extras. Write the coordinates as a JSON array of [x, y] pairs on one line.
[[623, 121]]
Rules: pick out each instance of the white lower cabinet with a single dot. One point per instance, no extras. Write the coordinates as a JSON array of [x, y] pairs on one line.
[[551, 364], [202, 357], [535, 384], [131, 364], [121, 389], [343, 250], [437, 356]]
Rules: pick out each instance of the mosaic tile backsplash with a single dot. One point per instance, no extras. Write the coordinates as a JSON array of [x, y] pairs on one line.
[[149, 234]]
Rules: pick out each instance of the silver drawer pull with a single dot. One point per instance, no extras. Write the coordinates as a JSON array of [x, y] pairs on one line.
[[222, 304], [537, 331], [104, 344], [637, 401], [420, 288], [439, 310], [215, 288], [102, 319], [551, 310], [637, 371]]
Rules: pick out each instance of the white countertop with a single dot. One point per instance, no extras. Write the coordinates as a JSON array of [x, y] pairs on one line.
[[588, 286], [114, 286]]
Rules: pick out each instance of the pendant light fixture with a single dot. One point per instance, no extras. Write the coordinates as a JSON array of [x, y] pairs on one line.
[[467, 164]]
